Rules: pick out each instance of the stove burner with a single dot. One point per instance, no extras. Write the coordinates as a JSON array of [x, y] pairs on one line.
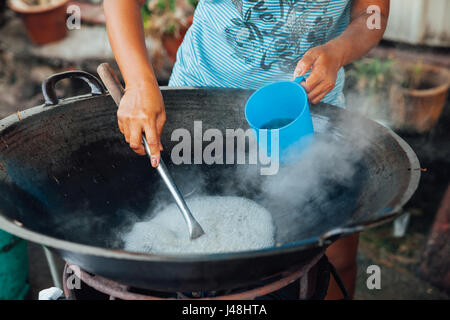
[[309, 282]]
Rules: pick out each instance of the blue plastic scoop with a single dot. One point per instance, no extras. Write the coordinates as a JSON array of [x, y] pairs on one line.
[[281, 106]]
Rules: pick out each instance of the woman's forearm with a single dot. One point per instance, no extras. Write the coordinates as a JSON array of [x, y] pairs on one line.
[[126, 36], [141, 109], [358, 38]]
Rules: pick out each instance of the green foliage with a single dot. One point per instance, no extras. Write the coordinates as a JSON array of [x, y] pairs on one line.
[[145, 15], [164, 14], [165, 6], [170, 29], [373, 74], [193, 3], [415, 76]]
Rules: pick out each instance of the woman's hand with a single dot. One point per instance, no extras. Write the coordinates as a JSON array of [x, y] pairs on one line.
[[356, 40], [142, 110], [324, 62]]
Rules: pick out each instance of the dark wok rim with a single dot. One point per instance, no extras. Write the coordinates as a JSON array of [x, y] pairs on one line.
[[10, 226]]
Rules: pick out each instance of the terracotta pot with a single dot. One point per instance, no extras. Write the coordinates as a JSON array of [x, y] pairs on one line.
[[46, 23], [419, 110], [172, 43]]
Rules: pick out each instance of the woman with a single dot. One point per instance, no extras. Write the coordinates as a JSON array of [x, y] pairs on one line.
[[247, 44]]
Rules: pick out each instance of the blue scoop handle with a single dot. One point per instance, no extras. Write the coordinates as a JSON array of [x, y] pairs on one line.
[[299, 79]]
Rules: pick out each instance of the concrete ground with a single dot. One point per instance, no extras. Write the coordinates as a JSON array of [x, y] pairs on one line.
[[399, 277], [396, 284]]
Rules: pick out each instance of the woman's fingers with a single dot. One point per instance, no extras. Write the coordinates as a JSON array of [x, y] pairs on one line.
[[133, 129], [126, 132], [153, 142], [160, 121], [136, 139], [319, 92], [305, 63], [315, 78], [319, 98], [132, 133], [316, 91], [119, 123]]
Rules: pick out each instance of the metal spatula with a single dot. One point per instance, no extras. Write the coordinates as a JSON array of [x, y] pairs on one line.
[[116, 91]]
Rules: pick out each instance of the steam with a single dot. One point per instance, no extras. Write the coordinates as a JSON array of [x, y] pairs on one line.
[[306, 197], [375, 107]]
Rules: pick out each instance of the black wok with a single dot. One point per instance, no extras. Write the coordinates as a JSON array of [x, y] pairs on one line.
[[69, 181]]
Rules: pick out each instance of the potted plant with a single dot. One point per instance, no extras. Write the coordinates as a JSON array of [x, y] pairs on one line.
[[418, 99], [45, 20], [167, 21], [404, 95]]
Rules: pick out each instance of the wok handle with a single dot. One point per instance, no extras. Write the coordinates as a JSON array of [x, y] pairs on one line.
[[111, 82], [48, 86]]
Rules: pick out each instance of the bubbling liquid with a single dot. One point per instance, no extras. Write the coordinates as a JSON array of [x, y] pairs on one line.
[[230, 223]]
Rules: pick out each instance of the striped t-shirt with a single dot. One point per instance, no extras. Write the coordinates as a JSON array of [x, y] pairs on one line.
[[250, 43]]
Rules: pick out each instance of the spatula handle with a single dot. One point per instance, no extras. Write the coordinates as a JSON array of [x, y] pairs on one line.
[[111, 82]]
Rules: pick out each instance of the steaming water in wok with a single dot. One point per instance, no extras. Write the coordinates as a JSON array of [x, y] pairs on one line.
[[230, 224]]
